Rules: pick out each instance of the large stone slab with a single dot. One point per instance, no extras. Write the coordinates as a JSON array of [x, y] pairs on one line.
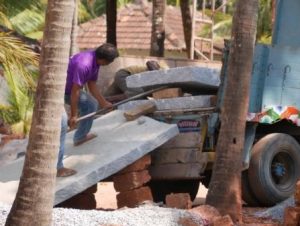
[[190, 102], [195, 78], [119, 143]]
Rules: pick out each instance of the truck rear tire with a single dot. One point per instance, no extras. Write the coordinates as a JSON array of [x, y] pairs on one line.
[[161, 188], [274, 168], [247, 193]]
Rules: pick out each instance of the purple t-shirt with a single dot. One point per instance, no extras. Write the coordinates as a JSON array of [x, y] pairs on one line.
[[82, 68]]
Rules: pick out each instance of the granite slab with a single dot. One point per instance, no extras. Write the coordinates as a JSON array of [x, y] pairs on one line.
[[118, 144], [188, 78], [189, 102]]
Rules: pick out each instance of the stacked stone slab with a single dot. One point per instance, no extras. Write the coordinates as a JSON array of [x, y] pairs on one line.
[[190, 102], [184, 77], [131, 183], [292, 213]]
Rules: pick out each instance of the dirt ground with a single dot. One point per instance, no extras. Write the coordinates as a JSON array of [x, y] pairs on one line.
[[106, 196]]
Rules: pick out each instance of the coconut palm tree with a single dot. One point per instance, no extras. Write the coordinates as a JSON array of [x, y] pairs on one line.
[[225, 187], [187, 24], [34, 200]]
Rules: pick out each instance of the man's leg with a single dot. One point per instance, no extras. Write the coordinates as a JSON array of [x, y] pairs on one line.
[[86, 104], [61, 170]]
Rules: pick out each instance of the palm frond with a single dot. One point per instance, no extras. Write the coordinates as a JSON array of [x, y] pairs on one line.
[[4, 20], [28, 21], [15, 55], [14, 7], [19, 111]]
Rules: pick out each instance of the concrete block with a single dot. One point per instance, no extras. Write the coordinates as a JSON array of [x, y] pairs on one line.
[[167, 93], [130, 181], [139, 165], [134, 197], [184, 77], [203, 101], [179, 201]]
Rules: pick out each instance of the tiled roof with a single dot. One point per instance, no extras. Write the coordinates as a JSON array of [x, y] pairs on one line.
[[133, 29]]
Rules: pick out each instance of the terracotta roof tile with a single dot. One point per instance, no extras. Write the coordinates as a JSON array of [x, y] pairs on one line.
[[133, 29]]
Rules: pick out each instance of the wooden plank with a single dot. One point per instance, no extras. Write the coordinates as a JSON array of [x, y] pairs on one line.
[[139, 111], [184, 140], [168, 93], [176, 155], [177, 171]]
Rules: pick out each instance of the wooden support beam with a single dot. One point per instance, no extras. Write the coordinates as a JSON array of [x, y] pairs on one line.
[[135, 113]]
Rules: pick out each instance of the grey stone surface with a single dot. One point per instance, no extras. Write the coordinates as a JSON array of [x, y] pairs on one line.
[[202, 101], [118, 144], [185, 77], [12, 150]]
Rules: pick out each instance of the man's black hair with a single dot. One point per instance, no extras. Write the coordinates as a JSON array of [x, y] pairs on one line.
[[152, 65], [107, 52]]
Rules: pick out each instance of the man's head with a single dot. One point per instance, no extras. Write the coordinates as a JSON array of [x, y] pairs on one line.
[[106, 53], [152, 65]]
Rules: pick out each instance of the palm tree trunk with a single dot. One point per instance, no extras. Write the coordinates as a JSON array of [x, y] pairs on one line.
[[111, 21], [34, 200], [158, 28], [225, 187], [74, 48], [187, 25]]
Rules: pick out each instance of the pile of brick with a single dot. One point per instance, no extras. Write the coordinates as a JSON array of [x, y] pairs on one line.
[[292, 213], [131, 183], [85, 200]]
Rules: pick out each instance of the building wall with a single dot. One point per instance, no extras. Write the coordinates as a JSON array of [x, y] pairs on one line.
[[107, 72]]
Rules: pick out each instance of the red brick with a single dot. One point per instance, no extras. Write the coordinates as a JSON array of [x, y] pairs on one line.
[[185, 221], [129, 181], [179, 201], [141, 164], [134, 197], [297, 194], [291, 216], [224, 221], [80, 201], [206, 212]]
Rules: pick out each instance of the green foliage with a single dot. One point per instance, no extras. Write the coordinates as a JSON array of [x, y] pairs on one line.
[[16, 56], [19, 111], [20, 71], [223, 23]]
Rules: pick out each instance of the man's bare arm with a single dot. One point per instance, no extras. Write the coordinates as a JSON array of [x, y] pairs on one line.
[[75, 93], [95, 92]]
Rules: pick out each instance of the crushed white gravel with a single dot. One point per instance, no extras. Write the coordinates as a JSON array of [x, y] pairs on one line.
[[141, 216]]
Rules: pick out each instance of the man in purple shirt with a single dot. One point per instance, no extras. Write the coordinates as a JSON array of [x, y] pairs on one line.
[[83, 70]]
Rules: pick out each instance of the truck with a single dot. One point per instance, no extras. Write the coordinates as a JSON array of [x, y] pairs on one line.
[[271, 154]]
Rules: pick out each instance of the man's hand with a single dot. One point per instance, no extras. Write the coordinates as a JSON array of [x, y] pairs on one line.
[[107, 104], [72, 122]]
